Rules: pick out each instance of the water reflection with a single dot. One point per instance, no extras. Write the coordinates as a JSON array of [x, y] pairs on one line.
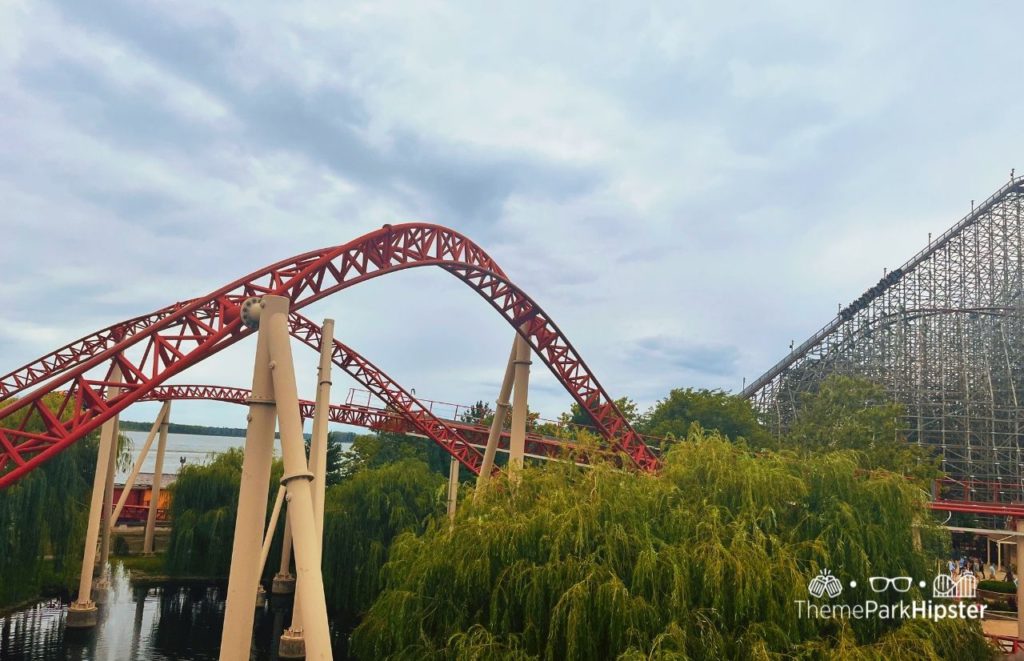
[[166, 620]]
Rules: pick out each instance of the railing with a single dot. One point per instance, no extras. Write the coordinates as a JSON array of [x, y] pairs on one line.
[[978, 491], [1008, 644]]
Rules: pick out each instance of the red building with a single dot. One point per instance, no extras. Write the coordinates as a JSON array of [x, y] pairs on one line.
[[136, 508]]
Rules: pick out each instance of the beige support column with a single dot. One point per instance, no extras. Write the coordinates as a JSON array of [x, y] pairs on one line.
[[130, 482], [158, 478], [453, 487], [243, 576], [502, 403], [292, 645], [82, 613], [284, 580], [297, 478], [1020, 579], [108, 502], [321, 414], [268, 539], [517, 442]]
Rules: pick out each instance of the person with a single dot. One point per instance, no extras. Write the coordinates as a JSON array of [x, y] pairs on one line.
[[952, 567], [992, 570]]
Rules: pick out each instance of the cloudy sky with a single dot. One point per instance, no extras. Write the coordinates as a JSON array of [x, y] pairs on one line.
[[685, 187]]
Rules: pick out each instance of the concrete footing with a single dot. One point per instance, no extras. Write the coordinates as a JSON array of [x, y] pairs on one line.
[[292, 645], [261, 597], [82, 616], [283, 584]]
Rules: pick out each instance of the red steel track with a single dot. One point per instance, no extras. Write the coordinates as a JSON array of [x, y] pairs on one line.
[[152, 348], [375, 418]]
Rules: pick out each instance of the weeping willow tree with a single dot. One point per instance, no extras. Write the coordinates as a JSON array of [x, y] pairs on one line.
[[204, 505], [705, 560], [363, 514], [43, 518]]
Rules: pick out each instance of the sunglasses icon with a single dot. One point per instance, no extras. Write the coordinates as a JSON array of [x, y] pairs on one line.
[[898, 583]]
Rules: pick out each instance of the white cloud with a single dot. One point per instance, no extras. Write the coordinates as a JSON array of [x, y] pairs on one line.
[[685, 187]]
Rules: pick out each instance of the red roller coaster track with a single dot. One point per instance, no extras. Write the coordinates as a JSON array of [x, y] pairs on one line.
[[377, 419], [152, 348]]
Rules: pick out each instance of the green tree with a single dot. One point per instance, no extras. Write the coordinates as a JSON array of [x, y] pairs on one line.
[[204, 505], [376, 450], [731, 415], [362, 516], [847, 413], [580, 418], [43, 515], [477, 413], [705, 560]]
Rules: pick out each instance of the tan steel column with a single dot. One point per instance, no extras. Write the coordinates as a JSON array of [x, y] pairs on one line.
[[284, 581], [108, 498], [82, 613], [517, 442], [130, 482], [453, 487], [1020, 579], [158, 478], [297, 480], [502, 403], [243, 576], [268, 539], [292, 645], [321, 411]]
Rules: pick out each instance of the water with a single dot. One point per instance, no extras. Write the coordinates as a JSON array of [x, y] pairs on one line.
[[193, 448], [164, 620]]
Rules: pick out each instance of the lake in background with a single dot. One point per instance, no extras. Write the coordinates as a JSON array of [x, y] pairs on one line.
[[193, 448]]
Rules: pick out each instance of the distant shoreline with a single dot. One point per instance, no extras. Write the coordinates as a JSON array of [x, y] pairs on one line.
[[173, 428]]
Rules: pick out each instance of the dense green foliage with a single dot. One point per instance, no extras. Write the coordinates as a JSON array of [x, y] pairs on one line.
[[730, 415], [377, 450], [845, 413], [204, 505], [578, 417], [363, 514], [392, 491], [1008, 587], [705, 560], [178, 428], [45, 513]]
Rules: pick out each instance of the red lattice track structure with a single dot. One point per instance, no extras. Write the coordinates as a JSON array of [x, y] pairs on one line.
[[378, 419], [153, 348]]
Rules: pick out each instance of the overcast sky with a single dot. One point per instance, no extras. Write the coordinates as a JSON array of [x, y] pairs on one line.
[[685, 187]]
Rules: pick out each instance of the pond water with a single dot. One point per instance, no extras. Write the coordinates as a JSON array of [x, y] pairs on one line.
[[166, 620]]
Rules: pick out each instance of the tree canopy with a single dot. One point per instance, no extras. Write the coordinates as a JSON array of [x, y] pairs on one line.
[[847, 413], [731, 415], [705, 560]]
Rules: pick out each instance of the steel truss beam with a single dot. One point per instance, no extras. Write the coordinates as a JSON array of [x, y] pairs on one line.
[[151, 349]]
